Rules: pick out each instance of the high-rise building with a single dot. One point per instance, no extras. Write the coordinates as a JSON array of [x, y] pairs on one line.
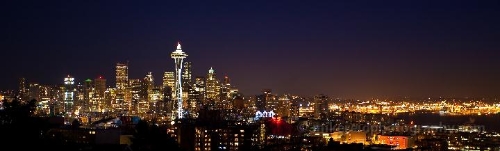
[[320, 105], [295, 104], [212, 89], [166, 105], [69, 94], [178, 55], [58, 103], [194, 99], [121, 101], [34, 91], [147, 85], [225, 89], [266, 101], [186, 75], [155, 102], [147, 91], [284, 106], [100, 86], [109, 99], [137, 95], [45, 94], [121, 76], [199, 86], [79, 97], [169, 79], [23, 90], [87, 92]]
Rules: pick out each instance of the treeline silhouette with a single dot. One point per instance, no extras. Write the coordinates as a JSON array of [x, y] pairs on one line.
[[150, 137], [21, 130]]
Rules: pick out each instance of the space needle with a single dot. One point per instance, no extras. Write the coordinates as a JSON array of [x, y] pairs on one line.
[[178, 55]]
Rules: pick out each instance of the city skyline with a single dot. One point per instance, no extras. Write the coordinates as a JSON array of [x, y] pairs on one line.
[[404, 51]]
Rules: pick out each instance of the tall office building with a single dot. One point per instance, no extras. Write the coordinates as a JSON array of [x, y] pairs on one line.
[[225, 89], [57, 105], [99, 91], [147, 85], [284, 103], [320, 105], [266, 101], [121, 76], [166, 105], [45, 94], [188, 92], [100, 86], [212, 89], [260, 102], [137, 95], [193, 100], [148, 94], [155, 100], [109, 99], [69, 94], [121, 103], [186, 75], [295, 104], [178, 55], [34, 91], [168, 79], [199, 86], [23, 90], [86, 104]]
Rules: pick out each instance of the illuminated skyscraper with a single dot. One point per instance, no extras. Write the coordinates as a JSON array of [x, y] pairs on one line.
[[100, 89], [225, 89], [69, 94], [169, 79], [148, 82], [147, 92], [167, 105], [283, 109], [137, 95], [178, 55], [186, 75], [23, 91], [87, 92], [121, 85], [147, 86], [212, 85], [266, 101], [121, 76], [199, 86], [100, 86]]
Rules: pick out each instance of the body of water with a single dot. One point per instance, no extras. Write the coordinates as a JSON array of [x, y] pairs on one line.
[[490, 122]]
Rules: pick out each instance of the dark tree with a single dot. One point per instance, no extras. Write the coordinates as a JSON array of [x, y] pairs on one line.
[[17, 125], [76, 124], [152, 138]]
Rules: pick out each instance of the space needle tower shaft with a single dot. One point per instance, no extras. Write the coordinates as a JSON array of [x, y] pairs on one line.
[[178, 55]]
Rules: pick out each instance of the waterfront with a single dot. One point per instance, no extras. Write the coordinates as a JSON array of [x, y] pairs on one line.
[[490, 122]]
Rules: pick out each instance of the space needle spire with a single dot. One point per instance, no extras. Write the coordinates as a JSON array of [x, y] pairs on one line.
[[178, 55]]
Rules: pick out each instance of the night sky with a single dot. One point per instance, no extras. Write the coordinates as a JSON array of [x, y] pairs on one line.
[[355, 49]]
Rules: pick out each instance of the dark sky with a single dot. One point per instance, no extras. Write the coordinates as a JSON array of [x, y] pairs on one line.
[[353, 49]]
